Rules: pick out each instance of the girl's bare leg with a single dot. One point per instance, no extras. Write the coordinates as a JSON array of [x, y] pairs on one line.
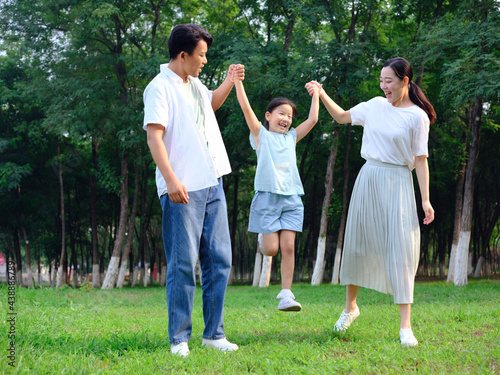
[[287, 245]]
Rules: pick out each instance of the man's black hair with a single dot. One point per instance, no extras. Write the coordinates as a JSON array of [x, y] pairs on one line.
[[185, 38]]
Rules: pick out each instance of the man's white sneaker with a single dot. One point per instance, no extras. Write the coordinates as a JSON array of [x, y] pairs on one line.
[[180, 349], [345, 320], [222, 344], [407, 338], [287, 301]]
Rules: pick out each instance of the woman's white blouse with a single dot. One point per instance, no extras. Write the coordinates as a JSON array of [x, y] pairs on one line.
[[391, 134]]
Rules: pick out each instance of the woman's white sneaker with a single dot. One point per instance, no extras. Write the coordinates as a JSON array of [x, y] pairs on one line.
[[407, 338], [345, 320]]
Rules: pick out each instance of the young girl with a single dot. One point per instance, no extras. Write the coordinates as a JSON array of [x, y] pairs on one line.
[[382, 238], [277, 211]]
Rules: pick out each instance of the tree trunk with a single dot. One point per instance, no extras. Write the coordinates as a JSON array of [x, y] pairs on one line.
[[93, 216], [62, 270], [27, 249], [131, 226], [265, 276], [19, 261], [345, 205], [141, 248], [459, 197], [197, 271], [319, 267], [144, 274], [113, 267], [479, 266], [163, 279], [267, 261], [135, 276], [258, 263], [461, 264], [53, 274], [234, 223], [73, 261]]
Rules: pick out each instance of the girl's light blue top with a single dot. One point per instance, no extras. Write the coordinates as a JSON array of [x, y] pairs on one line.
[[277, 163]]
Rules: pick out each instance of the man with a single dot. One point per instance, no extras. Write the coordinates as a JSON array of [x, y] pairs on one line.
[[187, 147]]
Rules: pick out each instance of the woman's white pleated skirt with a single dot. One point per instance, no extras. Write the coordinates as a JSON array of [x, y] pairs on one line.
[[382, 238]]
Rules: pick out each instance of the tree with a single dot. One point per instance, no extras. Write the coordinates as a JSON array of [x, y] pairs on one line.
[[471, 44]]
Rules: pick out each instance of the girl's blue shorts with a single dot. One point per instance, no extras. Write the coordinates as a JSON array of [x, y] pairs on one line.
[[272, 212]]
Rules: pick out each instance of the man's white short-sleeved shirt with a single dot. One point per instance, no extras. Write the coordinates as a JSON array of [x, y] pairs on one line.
[[196, 164], [391, 134]]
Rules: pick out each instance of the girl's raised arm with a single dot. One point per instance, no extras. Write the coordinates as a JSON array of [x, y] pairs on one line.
[[252, 121], [307, 125], [338, 114]]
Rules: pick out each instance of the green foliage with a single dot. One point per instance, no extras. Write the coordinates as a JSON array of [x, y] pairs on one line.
[[11, 175]]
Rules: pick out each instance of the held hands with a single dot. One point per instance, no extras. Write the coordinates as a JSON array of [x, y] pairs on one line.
[[313, 88], [236, 73]]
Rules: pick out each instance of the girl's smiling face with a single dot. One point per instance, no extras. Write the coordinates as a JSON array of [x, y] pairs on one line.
[[280, 118]]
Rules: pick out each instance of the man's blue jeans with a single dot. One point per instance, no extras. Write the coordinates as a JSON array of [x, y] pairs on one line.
[[197, 229]]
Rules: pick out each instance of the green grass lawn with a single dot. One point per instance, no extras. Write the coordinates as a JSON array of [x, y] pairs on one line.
[[124, 331]]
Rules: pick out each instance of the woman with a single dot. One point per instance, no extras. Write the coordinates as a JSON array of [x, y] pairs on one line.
[[382, 239]]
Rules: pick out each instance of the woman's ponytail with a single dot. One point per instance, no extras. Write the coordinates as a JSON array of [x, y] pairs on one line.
[[418, 97]]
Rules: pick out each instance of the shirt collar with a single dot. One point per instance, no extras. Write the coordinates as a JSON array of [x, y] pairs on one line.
[[165, 70]]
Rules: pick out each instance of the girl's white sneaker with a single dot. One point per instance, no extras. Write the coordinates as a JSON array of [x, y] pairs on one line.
[[287, 301]]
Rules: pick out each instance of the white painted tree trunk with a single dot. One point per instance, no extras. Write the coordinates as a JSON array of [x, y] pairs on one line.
[[96, 281], [112, 273], [319, 267], [453, 260], [462, 260], [198, 271], [336, 266], [144, 275], [61, 277], [462, 264], [265, 275], [19, 278], [135, 276], [479, 267], [457, 222], [53, 275], [257, 269], [74, 276], [29, 274], [163, 278], [121, 274]]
